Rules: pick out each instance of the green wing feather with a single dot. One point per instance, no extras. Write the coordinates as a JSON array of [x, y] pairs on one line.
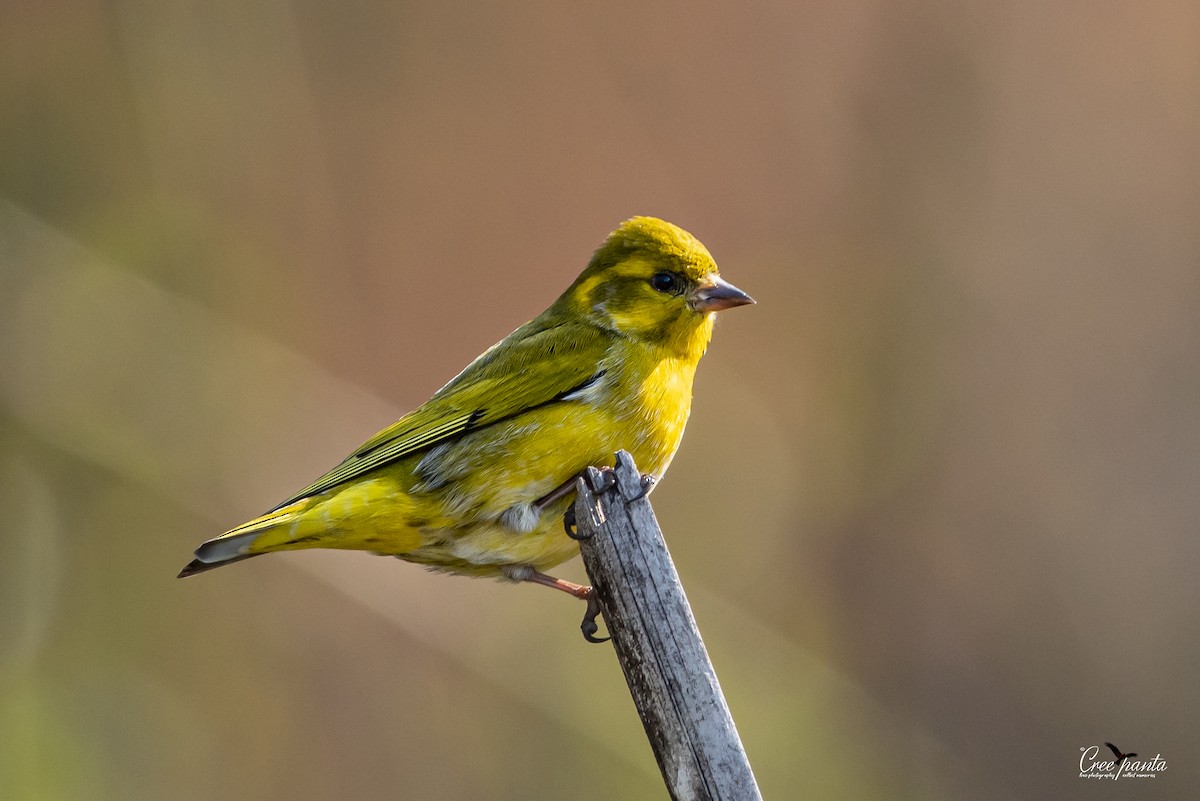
[[539, 363]]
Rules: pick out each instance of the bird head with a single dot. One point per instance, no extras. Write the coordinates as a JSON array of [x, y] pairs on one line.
[[654, 282]]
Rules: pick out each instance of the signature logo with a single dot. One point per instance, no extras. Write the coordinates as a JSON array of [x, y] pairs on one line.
[[1117, 753], [1124, 766]]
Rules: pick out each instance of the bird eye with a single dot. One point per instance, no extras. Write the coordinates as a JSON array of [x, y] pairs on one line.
[[665, 282]]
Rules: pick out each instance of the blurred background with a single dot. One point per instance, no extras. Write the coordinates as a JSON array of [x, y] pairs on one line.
[[937, 505]]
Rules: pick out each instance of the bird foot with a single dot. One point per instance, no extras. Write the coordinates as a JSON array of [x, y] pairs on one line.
[[581, 591], [598, 479], [569, 526], [588, 625]]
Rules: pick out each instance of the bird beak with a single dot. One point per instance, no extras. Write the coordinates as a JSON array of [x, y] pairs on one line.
[[718, 295]]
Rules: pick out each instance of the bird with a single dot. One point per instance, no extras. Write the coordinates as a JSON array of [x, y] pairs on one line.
[[474, 481], [1117, 753]]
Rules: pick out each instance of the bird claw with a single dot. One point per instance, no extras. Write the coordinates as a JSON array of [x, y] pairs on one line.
[[589, 626], [600, 479], [647, 482], [569, 525]]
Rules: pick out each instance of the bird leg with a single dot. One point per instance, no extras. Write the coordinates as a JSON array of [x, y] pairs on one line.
[[581, 591], [601, 479], [557, 494], [565, 489]]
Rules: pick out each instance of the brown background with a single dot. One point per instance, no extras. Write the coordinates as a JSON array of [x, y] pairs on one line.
[[937, 505]]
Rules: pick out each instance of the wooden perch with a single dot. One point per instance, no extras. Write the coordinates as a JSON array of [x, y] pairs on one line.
[[658, 645]]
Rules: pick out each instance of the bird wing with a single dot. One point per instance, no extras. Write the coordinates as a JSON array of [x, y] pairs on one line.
[[537, 364], [1116, 751]]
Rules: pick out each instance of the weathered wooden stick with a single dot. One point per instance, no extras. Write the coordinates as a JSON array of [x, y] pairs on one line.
[[658, 645]]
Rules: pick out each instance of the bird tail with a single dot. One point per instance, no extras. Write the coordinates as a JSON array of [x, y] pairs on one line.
[[261, 535]]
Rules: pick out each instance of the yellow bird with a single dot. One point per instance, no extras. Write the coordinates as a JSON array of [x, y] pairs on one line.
[[476, 480]]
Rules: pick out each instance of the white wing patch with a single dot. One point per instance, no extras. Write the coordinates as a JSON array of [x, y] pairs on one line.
[[589, 392]]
